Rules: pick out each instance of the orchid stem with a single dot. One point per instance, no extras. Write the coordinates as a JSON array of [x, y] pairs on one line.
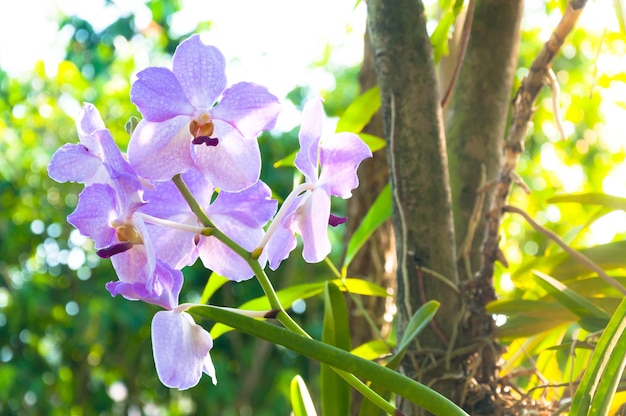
[[284, 208], [282, 316]]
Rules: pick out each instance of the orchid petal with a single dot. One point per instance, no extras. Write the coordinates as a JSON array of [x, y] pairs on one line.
[[75, 163], [164, 238], [200, 69], [282, 240], [311, 222], [249, 108], [164, 292], [111, 154], [280, 244], [181, 350], [252, 207], [216, 256], [309, 136], [87, 122], [340, 157], [159, 96], [234, 164], [159, 151], [95, 211]]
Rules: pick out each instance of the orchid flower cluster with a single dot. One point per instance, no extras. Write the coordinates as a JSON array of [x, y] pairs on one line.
[[198, 133]]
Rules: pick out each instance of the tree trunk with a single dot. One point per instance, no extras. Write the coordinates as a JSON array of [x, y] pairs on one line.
[[416, 153], [425, 196], [478, 113]]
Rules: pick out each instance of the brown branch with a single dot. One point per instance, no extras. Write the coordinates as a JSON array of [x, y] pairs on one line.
[[465, 35], [523, 110], [569, 250]]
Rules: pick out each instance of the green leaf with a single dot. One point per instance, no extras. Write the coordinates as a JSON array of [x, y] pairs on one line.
[[289, 295], [372, 350], [413, 391], [335, 331], [439, 38], [570, 299], [599, 383], [301, 401], [563, 267], [375, 143], [287, 161], [605, 200], [360, 112], [608, 256], [380, 211], [418, 322], [214, 282]]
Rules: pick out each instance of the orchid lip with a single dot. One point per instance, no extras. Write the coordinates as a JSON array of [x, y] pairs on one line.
[[335, 220], [209, 141], [114, 249]]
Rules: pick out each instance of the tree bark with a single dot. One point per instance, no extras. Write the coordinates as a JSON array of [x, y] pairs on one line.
[[477, 120], [416, 153], [477, 114]]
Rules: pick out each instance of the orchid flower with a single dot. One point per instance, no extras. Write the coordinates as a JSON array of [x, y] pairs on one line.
[[183, 128], [181, 349], [329, 167], [107, 214], [86, 162], [239, 215]]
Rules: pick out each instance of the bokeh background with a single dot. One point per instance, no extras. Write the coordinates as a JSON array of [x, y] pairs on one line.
[[68, 347]]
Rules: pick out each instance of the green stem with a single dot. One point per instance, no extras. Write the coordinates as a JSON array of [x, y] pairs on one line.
[[282, 316], [359, 305], [337, 358]]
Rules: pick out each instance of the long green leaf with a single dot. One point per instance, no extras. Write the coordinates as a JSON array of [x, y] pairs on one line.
[[214, 282], [605, 200], [379, 212], [375, 143], [304, 291], [418, 322], [597, 386], [608, 256], [372, 350], [413, 391], [439, 38], [301, 401], [287, 161], [360, 111], [570, 299], [335, 331]]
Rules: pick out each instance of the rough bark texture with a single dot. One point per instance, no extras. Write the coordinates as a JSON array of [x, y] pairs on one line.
[[477, 118], [376, 262], [477, 114], [416, 152]]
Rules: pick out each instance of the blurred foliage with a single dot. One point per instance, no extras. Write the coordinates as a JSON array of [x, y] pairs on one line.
[[67, 347]]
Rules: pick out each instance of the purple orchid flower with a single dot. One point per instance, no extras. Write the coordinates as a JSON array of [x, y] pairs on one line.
[[308, 213], [181, 349], [239, 215], [108, 214], [183, 128], [92, 159]]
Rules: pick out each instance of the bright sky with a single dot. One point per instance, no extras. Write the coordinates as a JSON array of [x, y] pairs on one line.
[[275, 40], [270, 42]]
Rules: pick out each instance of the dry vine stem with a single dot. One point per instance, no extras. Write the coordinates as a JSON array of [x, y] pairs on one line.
[[523, 111]]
